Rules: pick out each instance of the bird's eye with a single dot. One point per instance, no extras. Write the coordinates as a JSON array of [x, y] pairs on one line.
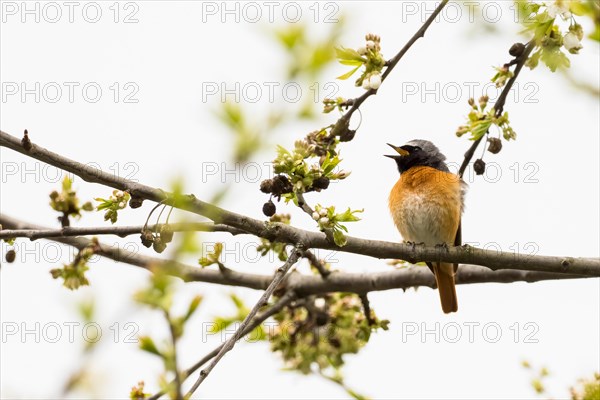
[[417, 148]]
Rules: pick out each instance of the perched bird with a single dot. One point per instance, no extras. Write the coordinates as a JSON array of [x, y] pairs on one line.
[[426, 204]]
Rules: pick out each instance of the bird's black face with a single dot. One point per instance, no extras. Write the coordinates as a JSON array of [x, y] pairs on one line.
[[418, 153]]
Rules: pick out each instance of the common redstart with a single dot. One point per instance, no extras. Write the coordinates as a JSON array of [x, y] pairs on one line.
[[426, 204]]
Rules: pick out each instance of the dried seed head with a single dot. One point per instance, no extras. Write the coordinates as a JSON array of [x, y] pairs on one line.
[[516, 49], [135, 202], [269, 208], [10, 256], [321, 183], [495, 145], [479, 166]]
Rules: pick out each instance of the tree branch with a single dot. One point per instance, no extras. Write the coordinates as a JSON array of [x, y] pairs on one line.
[[288, 234], [307, 284], [121, 231], [391, 64], [499, 105], [279, 275], [285, 300]]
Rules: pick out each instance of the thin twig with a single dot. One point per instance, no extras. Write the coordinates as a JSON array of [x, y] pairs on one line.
[[307, 284], [492, 259], [283, 301], [499, 105], [356, 103], [303, 204], [279, 275], [177, 379], [367, 308], [121, 231], [317, 263]]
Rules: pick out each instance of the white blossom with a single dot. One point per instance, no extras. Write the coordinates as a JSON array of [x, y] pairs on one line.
[[559, 8], [571, 41], [365, 84], [375, 80]]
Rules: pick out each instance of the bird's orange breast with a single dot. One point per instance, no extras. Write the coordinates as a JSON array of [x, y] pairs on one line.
[[426, 205]]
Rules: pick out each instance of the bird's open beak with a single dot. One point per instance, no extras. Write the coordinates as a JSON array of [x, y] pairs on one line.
[[399, 150]]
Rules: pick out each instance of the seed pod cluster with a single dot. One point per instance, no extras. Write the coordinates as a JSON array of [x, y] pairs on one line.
[[277, 186], [158, 241]]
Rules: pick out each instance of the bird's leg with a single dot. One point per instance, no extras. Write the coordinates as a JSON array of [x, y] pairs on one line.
[[413, 245], [443, 246]]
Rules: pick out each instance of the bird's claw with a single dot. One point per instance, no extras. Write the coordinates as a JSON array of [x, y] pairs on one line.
[[443, 246], [414, 245]]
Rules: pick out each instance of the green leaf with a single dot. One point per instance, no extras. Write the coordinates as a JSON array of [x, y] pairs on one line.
[[352, 63], [348, 216], [221, 323], [67, 183], [147, 344], [339, 238], [348, 74], [239, 304], [343, 53], [479, 128], [192, 307]]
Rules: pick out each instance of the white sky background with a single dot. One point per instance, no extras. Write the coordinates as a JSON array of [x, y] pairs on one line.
[[169, 53]]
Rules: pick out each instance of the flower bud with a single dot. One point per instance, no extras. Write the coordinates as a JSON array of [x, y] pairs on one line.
[[366, 84], [571, 42], [26, 142], [324, 221], [316, 216], [375, 81]]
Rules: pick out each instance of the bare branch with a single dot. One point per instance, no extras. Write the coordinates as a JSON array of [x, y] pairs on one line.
[[306, 284], [318, 264], [285, 300], [499, 105], [121, 231], [279, 275], [367, 308], [356, 103], [289, 234]]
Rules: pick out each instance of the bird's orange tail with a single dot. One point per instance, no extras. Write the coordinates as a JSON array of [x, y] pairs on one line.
[[444, 276]]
